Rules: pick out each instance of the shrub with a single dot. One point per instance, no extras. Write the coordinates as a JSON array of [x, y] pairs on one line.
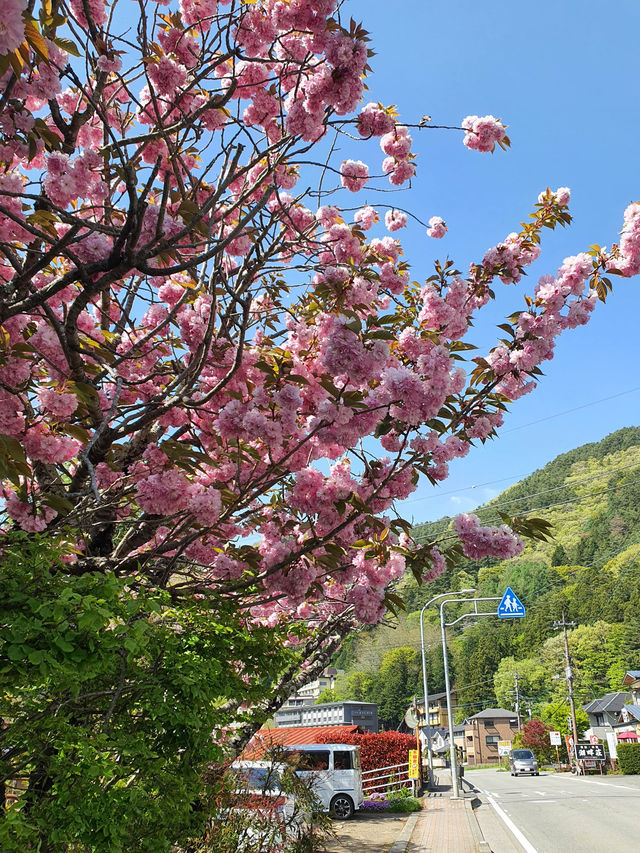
[[404, 804], [382, 749], [392, 804], [629, 757]]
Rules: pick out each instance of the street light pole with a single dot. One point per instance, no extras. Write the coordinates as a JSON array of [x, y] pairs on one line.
[[424, 671], [443, 625]]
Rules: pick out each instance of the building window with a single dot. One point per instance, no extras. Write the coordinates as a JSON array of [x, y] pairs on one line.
[[492, 740], [599, 719], [513, 723], [488, 724]]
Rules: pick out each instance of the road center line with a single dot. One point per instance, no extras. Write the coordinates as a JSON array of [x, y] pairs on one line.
[[529, 848]]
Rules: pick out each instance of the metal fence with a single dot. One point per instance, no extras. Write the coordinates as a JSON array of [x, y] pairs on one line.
[[386, 779]]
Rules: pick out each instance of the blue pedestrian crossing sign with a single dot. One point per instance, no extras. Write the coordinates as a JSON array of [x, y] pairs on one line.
[[511, 607]]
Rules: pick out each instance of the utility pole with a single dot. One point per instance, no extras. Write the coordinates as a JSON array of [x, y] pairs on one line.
[[569, 676], [516, 676]]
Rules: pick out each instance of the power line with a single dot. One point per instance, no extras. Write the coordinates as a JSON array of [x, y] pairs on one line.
[[540, 508], [569, 411]]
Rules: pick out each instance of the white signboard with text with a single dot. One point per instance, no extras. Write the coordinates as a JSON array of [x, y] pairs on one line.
[[504, 747]]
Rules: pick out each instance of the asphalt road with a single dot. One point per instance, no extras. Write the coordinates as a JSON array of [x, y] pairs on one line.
[[558, 812]]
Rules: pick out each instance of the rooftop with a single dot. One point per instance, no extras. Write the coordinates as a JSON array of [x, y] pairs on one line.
[[611, 702], [490, 713], [265, 739]]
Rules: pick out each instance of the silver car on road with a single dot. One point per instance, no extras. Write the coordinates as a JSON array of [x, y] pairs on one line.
[[523, 761]]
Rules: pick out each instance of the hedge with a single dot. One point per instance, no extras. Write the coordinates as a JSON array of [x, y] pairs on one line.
[[382, 749], [629, 757]]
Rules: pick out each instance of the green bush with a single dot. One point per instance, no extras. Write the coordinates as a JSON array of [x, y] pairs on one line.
[[109, 693], [629, 757], [400, 794], [404, 804]]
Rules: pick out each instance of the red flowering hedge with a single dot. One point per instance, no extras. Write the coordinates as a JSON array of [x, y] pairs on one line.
[[383, 749]]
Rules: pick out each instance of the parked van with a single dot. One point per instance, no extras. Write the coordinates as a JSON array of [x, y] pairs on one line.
[[271, 815], [334, 771]]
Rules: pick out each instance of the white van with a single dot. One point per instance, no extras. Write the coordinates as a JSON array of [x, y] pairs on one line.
[[334, 771]]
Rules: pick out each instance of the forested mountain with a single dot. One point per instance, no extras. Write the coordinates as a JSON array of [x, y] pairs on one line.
[[590, 571]]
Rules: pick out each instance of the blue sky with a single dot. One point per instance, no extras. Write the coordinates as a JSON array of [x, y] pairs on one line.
[[564, 77]]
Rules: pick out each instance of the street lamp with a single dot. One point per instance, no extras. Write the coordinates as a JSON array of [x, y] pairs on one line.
[[424, 670]]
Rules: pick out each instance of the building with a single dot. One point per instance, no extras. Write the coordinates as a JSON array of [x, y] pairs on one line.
[[485, 730], [310, 693], [627, 726], [363, 714], [460, 741], [438, 717], [604, 713]]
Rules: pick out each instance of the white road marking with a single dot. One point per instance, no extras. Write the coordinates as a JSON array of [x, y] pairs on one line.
[[492, 794], [542, 793], [541, 801], [609, 785], [529, 848]]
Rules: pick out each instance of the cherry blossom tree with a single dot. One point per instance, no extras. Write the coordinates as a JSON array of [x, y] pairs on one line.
[[214, 381]]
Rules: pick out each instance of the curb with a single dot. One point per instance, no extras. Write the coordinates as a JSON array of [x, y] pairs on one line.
[[481, 845], [402, 841]]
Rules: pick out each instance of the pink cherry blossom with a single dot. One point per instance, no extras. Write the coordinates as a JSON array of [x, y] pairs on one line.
[[395, 220], [366, 217], [12, 25], [482, 133], [437, 227], [354, 175]]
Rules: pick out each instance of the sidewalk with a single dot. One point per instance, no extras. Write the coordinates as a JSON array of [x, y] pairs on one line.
[[444, 825]]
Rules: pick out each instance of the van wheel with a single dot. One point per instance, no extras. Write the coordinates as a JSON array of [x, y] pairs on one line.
[[342, 807]]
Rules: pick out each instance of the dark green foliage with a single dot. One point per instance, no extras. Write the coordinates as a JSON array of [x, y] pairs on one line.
[[559, 556], [629, 757], [396, 685], [110, 694]]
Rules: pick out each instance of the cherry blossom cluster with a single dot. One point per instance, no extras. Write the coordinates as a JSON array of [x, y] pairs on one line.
[[483, 133], [437, 227], [478, 541], [628, 258], [12, 26]]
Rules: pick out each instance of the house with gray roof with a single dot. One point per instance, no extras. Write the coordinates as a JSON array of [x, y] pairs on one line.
[[485, 730], [604, 712], [628, 725]]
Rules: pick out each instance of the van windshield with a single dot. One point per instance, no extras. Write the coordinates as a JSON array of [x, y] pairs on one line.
[[522, 754]]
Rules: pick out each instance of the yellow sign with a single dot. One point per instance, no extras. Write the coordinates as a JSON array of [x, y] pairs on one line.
[[414, 768]]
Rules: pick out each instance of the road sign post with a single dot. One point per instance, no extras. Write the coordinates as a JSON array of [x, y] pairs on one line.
[[512, 607], [556, 740], [424, 676]]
